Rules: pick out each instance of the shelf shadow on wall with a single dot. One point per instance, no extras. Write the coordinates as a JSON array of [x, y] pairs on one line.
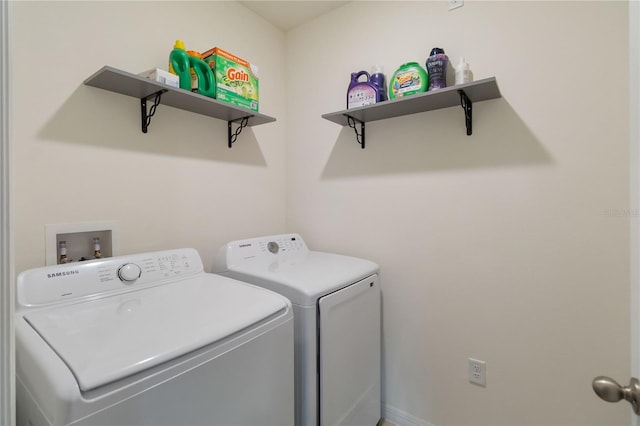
[[437, 141], [97, 117]]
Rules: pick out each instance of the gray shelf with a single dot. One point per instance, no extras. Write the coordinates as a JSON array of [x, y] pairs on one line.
[[125, 83], [460, 95]]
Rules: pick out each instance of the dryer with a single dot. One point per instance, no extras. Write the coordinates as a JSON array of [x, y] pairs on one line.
[[150, 339], [336, 304]]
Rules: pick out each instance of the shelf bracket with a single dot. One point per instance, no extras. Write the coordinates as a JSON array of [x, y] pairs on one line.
[[359, 136], [467, 106], [233, 135], [146, 117]]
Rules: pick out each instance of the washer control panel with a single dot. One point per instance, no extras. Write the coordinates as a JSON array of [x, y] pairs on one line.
[[60, 283], [129, 273]]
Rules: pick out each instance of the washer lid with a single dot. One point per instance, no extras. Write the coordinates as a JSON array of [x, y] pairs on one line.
[[108, 339], [303, 279]]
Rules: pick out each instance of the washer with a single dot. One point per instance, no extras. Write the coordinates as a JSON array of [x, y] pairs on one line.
[[151, 339], [336, 304]]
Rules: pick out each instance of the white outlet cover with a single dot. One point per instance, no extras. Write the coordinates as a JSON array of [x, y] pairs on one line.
[[454, 4], [478, 372]]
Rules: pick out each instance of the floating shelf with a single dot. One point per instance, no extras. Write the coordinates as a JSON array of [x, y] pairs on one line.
[[125, 83], [462, 94]]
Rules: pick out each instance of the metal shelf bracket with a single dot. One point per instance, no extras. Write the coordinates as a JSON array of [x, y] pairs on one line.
[[233, 135], [359, 136], [467, 106], [146, 117]]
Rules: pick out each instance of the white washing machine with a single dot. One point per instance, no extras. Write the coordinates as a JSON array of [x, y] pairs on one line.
[[336, 305], [151, 339]]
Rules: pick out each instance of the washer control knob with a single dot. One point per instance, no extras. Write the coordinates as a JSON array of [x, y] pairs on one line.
[[273, 247], [129, 272]]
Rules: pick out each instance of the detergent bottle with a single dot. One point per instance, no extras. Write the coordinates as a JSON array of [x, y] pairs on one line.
[[361, 93], [409, 79], [194, 76], [179, 64], [437, 63], [463, 72], [205, 79], [377, 78]]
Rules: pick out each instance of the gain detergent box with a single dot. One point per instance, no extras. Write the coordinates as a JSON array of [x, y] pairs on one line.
[[236, 79]]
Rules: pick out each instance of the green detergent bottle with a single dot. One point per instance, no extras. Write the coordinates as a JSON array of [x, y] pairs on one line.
[[179, 64], [206, 80], [410, 78]]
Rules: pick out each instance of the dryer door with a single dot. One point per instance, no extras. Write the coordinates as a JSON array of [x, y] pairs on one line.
[[349, 347]]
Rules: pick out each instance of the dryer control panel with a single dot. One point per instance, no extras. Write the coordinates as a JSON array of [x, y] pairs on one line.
[[264, 249], [95, 278]]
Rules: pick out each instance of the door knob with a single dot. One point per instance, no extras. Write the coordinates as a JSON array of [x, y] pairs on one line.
[[609, 390]]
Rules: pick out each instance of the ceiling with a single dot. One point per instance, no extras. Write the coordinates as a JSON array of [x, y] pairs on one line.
[[286, 15]]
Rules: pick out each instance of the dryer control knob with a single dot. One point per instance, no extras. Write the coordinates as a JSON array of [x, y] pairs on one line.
[[129, 272]]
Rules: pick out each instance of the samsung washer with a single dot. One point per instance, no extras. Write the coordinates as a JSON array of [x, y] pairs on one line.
[[151, 339], [336, 303]]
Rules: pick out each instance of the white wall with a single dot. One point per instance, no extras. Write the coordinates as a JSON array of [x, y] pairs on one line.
[[512, 245], [79, 154]]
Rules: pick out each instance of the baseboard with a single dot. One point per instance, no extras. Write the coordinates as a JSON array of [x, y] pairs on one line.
[[401, 418]]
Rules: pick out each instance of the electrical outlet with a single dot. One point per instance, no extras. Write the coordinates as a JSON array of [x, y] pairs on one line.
[[478, 372], [454, 4]]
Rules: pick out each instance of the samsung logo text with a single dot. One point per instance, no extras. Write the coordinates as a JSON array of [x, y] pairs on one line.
[[63, 273]]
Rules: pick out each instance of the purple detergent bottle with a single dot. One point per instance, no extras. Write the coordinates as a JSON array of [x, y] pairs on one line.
[[361, 93], [437, 63], [377, 78]]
